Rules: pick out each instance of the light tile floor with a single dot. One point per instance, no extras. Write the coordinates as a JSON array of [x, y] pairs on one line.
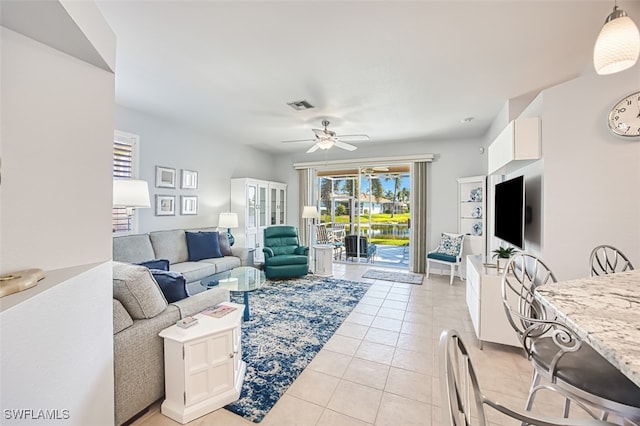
[[381, 366]]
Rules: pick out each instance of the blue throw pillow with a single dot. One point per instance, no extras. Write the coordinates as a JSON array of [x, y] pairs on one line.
[[161, 264], [172, 284], [203, 245]]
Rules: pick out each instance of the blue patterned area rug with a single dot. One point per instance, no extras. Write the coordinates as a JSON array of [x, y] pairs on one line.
[[399, 277], [291, 320]]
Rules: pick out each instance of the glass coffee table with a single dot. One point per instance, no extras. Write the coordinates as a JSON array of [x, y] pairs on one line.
[[242, 279]]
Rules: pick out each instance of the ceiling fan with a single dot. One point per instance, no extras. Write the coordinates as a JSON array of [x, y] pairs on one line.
[[326, 139]]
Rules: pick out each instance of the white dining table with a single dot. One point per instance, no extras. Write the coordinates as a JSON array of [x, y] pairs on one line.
[[605, 312]]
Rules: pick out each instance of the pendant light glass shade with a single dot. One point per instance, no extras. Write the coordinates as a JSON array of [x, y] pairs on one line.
[[618, 44]]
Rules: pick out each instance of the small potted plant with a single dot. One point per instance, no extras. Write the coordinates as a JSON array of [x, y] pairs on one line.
[[503, 253]]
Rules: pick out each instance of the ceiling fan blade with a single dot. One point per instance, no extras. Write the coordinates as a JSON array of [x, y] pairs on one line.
[[354, 138], [313, 148], [346, 146], [300, 140]]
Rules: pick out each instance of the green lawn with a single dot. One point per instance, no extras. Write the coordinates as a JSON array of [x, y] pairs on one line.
[[379, 218], [376, 218]]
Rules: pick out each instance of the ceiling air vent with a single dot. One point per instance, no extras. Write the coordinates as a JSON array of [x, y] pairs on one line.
[[300, 105]]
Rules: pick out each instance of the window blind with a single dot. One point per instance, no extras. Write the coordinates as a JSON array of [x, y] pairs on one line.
[[124, 151]]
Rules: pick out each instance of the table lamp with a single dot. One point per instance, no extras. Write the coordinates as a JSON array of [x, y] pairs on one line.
[[131, 194], [228, 220]]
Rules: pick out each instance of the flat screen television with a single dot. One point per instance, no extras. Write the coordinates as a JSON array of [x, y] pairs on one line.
[[510, 211]]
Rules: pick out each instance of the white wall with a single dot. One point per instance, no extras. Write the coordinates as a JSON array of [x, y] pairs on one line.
[[584, 191], [57, 121], [60, 358], [453, 159], [180, 146], [591, 177]]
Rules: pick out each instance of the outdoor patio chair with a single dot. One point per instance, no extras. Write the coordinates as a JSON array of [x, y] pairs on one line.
[[353, 242], [323, 236]]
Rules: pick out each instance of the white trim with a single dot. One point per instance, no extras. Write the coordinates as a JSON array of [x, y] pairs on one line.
[[134, 141], [356, 162]]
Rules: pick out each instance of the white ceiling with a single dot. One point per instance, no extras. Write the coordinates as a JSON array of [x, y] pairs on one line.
[[391, 69]]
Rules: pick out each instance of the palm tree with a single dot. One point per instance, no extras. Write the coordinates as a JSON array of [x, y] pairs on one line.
[[376, 189], [326, 189], [396, 187]]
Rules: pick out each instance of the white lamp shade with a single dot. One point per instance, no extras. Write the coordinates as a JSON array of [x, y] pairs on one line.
[[310, 212], [130, 193], [228, 220], [617, 47]]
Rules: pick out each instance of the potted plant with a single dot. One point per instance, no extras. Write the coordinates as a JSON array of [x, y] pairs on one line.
[[503, 253]]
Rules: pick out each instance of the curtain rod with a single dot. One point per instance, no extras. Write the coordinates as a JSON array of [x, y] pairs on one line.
[[355, 162]]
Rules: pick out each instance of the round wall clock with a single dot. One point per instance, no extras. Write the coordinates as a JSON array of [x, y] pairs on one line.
[[624, 118]]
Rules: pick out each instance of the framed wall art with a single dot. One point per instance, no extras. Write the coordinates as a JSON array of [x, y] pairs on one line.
[[189, 205], [189, 179], [165, 205], [165, 177]]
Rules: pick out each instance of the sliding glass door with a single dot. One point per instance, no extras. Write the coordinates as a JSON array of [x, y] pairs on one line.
[[372, 202]]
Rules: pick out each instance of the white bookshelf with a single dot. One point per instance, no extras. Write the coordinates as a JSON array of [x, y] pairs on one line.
[[472, 213]]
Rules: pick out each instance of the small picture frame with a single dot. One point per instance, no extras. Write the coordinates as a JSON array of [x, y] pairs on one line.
[[189, 204], [189, 179], [165, 205], [165, 177]]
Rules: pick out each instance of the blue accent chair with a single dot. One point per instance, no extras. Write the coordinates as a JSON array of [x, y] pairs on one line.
[[284, 257], [448, 252]]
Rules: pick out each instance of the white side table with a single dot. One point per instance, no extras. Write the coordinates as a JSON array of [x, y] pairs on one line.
[[203, 365], [324, 260]]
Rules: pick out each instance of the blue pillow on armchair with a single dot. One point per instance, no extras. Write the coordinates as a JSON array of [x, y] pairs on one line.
[[172, 284]]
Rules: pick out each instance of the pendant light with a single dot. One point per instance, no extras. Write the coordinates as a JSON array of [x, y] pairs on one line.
[[618, 44]]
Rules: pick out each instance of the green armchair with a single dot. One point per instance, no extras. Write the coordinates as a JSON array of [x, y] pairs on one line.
[[284, 257]]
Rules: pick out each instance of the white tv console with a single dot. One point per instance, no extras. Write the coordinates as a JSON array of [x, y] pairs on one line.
[[484, 300]]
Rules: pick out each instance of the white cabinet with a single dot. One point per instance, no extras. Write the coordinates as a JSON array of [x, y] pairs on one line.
[[472, 192], [484, 300], [277, 203], [517, 145], [203, 364], [259, 204]]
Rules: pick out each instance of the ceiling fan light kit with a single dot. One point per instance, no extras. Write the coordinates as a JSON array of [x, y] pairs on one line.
[[618, 45]]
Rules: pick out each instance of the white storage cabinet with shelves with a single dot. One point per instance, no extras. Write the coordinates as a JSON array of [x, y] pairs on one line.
[[484, 301], [258, 204], [472, 192], [277, 203], [204, 370]]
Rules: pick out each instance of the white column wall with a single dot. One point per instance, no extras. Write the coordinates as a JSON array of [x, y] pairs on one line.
[[57, 136], [55, 214]]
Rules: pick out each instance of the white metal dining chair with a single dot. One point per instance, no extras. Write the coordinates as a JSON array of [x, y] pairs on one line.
[[606, 259], [463, 403], [558, 355]]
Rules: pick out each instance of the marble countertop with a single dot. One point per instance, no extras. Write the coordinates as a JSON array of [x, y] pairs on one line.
[[605, 312]]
